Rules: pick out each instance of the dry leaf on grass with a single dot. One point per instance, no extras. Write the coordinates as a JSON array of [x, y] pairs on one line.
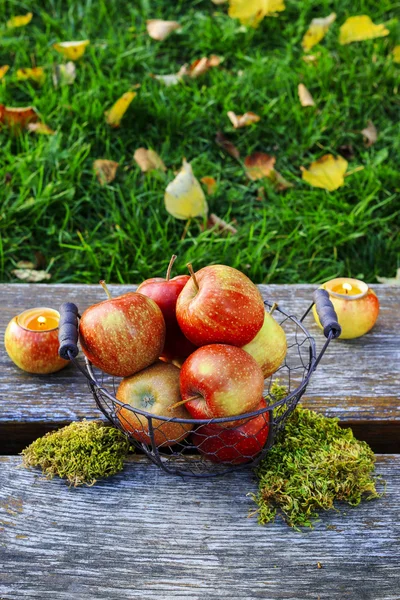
[[316, 31], [390, 280], [304, 96], [251, 12], [64, 74], [184, 197], [159, 29], [19, 20], [242, 120], [396, 54], [3, 71], [281, 184], [227, 145], [25, 264], [40, 128], [358, 29], [220, 225], [200, 66], [148, 160], [17, 118], [117, 111], [370, 134], [35, 74], [72, 50], [169, 79], [105, 170], [311, 59], [327, 172], [31, 275], [259, 165], [210, 184]]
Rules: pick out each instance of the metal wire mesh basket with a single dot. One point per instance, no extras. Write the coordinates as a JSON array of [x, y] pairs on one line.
[[215, 446]]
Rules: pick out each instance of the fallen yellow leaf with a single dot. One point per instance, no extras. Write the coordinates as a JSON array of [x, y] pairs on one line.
[[357, 29], [304, 96], [184, 197], [40, 128], [259, 165], [19, 20], [316, 31], [3, 71], [72, 50], [327, 172], [105, 170], [159, 29], [148, 160], [117, 111], [251, 12], [36, 74], [210, 184], [64, 74], [242, 120], [396, 54], [31, 275], [370, 133]]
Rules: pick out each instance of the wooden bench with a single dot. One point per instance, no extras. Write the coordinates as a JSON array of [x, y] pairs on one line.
[[147, 534]]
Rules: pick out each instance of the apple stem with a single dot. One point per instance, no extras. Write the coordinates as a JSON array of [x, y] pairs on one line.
[[183, 402], [273, 307], [171, 262], [105, 288], [192, 275]]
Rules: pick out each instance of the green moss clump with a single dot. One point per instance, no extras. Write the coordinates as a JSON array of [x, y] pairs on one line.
[[312, 464], [82, 452]]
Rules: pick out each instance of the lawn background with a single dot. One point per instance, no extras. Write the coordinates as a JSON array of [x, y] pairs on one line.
[[52, 203]]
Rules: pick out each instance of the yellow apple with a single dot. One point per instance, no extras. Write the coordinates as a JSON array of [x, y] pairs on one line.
[[269, 346]]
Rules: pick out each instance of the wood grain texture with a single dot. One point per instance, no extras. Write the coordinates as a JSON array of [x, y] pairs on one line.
[[145, 534], [357, 380]]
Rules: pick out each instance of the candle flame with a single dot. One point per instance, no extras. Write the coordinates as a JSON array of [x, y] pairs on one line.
[[348, 287], [42, 321]]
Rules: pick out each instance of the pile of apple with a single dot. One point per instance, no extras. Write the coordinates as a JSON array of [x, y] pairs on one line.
[[213, 325]]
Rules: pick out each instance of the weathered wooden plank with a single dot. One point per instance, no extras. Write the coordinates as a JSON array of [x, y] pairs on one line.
[[357, 381], [145, 534]]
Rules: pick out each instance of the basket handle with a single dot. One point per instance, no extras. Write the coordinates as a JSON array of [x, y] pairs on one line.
[[326, 314], [68, 331]]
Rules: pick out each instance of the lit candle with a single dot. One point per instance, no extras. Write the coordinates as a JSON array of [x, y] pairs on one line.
[[31, 341], [356, 306]]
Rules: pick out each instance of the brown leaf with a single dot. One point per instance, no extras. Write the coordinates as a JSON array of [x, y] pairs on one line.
[[31, 275], [304, 96], [370, 134], [105, 170], [17, 118], [200, 66], [346, 150], [220, 224], [159, 29], [210, 183], [148, 160], [259, 165], [242, 120], [281, 184], [224, 143]]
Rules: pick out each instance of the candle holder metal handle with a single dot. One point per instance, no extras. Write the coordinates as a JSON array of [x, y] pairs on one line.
[[295, 373]]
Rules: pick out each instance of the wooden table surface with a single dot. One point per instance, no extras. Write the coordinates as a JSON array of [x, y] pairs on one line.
[[147, 534]]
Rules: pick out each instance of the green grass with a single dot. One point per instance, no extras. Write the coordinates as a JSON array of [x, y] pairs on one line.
[[52, 201]]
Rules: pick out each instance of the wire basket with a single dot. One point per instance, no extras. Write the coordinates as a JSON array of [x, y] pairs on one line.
[[215, 446]]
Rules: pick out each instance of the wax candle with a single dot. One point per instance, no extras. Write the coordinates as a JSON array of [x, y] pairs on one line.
[[31, 341], [356, 306]]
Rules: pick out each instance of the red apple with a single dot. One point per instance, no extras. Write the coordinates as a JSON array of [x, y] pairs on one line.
[[220, 381], [153, 390], [269, 346], [234, 445], [122, 335], [165, 293], [220, 304]]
